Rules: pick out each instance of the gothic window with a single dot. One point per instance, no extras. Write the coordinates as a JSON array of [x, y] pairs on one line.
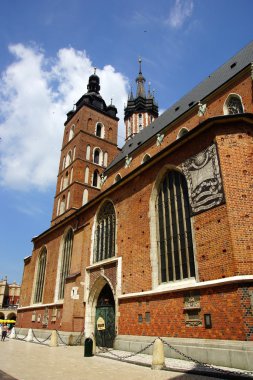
[[96, 179], [182, 132], [117, 178], [66, 180], [74, 153], [65, 262], [86, 175], [175, 246], [140, 121], [85, 196], [99, 130], [61, 184], [58, 206], [40, 278], [71, 132], [97, 156], [88, 152], [68, 159], [104, 247], [63, 162], [146, 158], [233, 105], [129, 128]]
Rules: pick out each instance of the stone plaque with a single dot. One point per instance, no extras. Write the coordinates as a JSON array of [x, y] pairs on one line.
[[202, 172]]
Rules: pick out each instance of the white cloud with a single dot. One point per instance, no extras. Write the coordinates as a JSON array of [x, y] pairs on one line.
[[35, 94], [181, 10]]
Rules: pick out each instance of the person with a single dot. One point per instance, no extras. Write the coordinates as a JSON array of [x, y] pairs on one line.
[[4, 332]]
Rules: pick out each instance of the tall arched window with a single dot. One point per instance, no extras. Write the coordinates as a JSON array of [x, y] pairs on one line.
[[88, 152], [40, 278], [97, 156], [71, 132], [176, 256], [145, 158], [99, 130], [68, 159], [104, 247], [96, 179], [66, 180], [233, 105], [65, 262]]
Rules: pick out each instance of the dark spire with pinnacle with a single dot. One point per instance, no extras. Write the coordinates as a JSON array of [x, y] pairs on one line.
[[94, 83], [141, 103], [140, 80]]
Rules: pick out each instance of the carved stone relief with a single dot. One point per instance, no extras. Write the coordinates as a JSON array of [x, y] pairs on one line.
[[202, 172]]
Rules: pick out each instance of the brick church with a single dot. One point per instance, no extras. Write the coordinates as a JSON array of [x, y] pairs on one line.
[[156, 238]]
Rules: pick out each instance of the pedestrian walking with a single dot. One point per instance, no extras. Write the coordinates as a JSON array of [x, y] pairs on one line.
[[4, 332]]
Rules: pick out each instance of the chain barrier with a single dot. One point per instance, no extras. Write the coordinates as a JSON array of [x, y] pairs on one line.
[[107, 350], [205, 365], [78, 339], [41, 341], [62, 341]]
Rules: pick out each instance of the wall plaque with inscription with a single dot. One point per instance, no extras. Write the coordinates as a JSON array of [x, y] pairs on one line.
[[100, 323]]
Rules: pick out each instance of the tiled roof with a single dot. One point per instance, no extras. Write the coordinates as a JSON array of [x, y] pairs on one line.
[[224, 73]]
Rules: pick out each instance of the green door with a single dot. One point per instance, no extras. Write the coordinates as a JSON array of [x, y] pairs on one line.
[[105, 336], [105, 318]]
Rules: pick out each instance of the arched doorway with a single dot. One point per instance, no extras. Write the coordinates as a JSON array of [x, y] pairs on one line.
[[105, 318]]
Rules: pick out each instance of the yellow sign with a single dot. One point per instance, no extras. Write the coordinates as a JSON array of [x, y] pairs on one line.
[[100, 323]]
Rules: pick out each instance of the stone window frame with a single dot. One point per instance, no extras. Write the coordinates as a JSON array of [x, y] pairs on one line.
[[146, 157], [40, 275], [100, 132], [100, 156], [226, 104], [154, 236], [72, 132], [64, 262], [183, 131], [104, 233]]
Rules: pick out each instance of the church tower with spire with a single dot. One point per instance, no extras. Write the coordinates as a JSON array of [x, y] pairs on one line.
[[89, 145], [142, 109]]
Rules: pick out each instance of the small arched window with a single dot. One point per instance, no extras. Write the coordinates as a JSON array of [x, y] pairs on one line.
[[74, 153], [96, 179], [88, 152], [146, 158], [85, 196], [66, 180], [117, 178], [68, 159], [40, 278], [97, 156], [233, 105], [175, 246], [104, 247], [183, 131], [99, 132], [72, 132], [65, 262]]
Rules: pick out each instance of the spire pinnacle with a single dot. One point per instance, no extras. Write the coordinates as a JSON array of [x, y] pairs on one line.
[[140, 80], [139, 60]]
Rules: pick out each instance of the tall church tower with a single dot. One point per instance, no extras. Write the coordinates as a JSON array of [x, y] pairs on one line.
[[89, 145], [140, 110]]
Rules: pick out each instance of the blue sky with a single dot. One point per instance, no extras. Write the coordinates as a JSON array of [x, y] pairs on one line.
[[47, 51]]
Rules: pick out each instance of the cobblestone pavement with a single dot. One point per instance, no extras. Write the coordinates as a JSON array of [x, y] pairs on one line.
[[21, 360]]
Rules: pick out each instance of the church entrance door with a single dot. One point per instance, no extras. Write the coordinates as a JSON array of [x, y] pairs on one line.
[[105, 318]]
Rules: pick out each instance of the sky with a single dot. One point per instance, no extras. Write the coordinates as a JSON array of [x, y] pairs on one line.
[[48, 50]]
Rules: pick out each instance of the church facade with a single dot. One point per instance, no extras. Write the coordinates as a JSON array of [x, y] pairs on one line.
[[154, 239]]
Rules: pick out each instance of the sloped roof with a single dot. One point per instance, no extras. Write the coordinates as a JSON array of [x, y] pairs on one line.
[[224, 73]]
